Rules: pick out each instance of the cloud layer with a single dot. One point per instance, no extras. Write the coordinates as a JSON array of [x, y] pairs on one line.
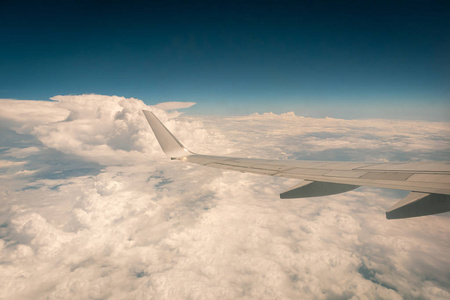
[[91, 208]]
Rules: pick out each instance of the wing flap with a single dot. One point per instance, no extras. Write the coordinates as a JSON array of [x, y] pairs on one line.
[[308, 188], [419, 204]]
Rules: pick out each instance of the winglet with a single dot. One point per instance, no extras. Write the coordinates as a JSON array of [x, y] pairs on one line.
[[168, 142]]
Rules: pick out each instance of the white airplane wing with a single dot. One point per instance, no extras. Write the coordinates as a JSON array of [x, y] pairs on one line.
[[428, 182]]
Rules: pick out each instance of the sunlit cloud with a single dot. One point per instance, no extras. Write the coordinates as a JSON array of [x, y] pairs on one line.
[[91, 208]]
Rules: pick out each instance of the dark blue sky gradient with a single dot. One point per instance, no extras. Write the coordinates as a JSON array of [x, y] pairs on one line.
[[351, 59]]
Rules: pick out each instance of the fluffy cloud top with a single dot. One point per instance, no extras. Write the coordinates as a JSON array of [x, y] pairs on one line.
[[91, 208]]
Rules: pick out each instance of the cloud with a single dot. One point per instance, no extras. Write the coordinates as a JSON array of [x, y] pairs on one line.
[[7, 163], [104, 214], [173, 105]]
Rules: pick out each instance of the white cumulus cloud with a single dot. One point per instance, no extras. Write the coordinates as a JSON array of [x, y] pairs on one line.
[[91, 208]]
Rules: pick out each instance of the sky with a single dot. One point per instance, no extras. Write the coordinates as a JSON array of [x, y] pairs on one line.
[[346, 59], [93, 209]]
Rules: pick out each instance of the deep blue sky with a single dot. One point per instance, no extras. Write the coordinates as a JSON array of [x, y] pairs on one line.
[[351, 59]]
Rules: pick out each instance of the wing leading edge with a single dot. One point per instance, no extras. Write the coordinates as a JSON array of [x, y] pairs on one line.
[[428, 182]]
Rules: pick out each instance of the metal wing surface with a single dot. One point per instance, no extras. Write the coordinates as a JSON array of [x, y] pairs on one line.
[[429, 182]]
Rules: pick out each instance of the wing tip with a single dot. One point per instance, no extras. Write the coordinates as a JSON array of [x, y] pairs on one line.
[[167, 141]]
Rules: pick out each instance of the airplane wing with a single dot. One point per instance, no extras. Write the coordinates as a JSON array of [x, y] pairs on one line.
[[428, 182]]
